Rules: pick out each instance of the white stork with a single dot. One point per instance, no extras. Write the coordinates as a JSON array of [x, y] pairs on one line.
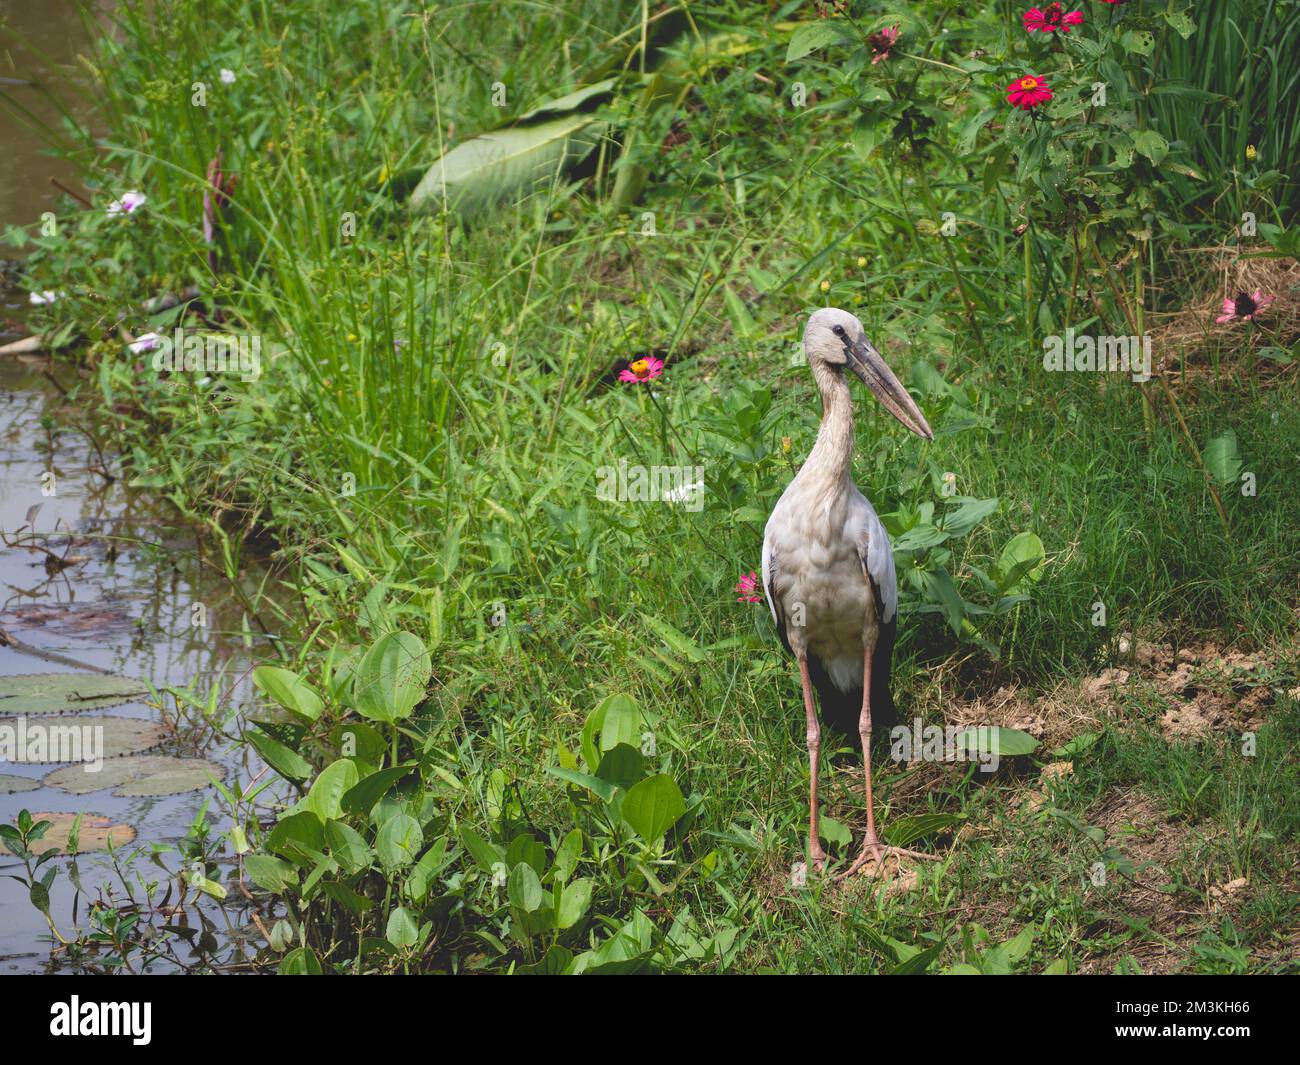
[[828, 570]]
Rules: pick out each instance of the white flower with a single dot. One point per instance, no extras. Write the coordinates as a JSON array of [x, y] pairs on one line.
[[128, 204], [227, 76], [48, 296], [148, 342]]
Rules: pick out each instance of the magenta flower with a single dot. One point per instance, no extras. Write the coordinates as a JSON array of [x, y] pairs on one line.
[[1243, 307], [1051, 18], [642, 370], [881, 43], [748, 588], [1028, 92]]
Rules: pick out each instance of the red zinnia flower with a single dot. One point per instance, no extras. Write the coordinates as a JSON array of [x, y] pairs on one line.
[[881, 43], [1028, 92], [642, 370], [748, 588], [1051, 18]]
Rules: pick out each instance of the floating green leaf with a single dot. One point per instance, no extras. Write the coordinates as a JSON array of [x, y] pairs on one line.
[[11, 785], [57, 693], [138, 776], [76, 739]]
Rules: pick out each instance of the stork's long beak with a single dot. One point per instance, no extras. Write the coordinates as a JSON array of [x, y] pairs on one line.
[[870, 366]]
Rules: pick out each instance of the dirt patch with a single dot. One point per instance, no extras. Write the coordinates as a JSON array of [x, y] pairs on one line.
[[1140, 830]]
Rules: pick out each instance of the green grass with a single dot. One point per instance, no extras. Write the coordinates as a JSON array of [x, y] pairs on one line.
[[460, 376]]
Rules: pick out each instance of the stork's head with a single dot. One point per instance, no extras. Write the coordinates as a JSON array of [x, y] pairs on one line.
[[836, 338]]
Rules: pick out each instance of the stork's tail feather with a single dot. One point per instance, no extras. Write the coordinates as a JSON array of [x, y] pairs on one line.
[[841, 710]]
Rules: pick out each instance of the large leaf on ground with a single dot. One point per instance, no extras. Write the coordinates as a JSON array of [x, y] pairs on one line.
[[67, 739], [93, 833], [507, 163], [138, 776], [57, 693]]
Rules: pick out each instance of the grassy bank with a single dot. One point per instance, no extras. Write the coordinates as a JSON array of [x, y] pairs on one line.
[[439, 402]]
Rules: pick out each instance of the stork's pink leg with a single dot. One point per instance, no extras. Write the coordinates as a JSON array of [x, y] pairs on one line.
[[814, 756], [872, 849]]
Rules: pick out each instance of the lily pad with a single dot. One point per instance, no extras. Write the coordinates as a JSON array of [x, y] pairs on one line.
[[93, 834], [65, 740], [58, 693], [139, 776], [12, 785]]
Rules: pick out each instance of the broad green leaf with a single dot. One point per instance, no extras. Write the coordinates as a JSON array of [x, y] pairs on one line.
[[506, 164], [524, 889], [1020, 562], [361, 798], [347, 846], [300, 962], [574, 900], [271, 873], [1006, 742], [1150, 144], [653, 806], [403, 930], [400, 840], [392, 677], [622, 767], [813, 36], [325, 799], [288, 763], [290, 691], [600, 787], [1222, 459]]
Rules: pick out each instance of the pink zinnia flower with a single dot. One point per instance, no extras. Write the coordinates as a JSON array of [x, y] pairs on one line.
[[1051, 18], [881, 43], [1243, 307], [642, 370], [748, 588], [1028, 92]]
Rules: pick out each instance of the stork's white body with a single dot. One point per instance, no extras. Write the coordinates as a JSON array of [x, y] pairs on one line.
[[828, 570], [826, 558]]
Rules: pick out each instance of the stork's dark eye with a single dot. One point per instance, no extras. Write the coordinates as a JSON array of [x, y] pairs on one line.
[[838, 331]]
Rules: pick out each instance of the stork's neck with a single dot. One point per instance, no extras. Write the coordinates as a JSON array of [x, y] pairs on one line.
[[832, 455]]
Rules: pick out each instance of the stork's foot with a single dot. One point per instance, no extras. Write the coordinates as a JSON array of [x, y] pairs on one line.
[[874, 859], [816, 858]]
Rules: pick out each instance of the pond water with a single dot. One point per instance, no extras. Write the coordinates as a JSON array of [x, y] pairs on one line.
[[126, 604]]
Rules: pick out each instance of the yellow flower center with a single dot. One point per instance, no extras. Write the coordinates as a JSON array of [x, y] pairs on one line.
[[640, 367], [1028, 83]]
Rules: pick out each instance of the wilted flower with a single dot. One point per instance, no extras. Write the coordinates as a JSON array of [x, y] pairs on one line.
[[128, 204], [1051, 18], [1250, 153], [642, 370], [1028, 92], [148, 342], [748, 588], [881, 43], [216, 195], [1243, 307]]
